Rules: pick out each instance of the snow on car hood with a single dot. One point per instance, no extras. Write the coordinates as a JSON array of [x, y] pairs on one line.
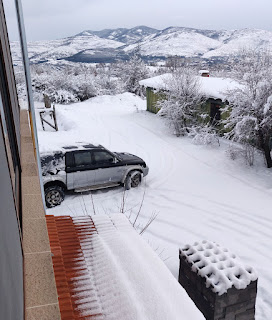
[[128, 157]]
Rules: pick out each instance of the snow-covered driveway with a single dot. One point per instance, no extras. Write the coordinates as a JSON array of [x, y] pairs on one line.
[[197, 191]]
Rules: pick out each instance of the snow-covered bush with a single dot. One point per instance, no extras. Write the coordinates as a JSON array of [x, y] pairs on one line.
[[206, 135], [183, 98], [250, 108], [246, 152]]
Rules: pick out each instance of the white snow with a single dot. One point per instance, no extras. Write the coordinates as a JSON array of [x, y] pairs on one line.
[[203, 71], [211, 87], [56, 49], [238, 40], [221, 269], [169, 42], [197, 191], [132, 283], [175, 43]]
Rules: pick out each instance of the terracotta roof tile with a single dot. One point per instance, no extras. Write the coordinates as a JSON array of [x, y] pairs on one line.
[[69, 237]]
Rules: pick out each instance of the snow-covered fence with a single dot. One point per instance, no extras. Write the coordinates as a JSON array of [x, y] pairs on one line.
[[51, 114], [220, 285]]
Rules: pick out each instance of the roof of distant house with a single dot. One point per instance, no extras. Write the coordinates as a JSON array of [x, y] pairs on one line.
[[212, 87], [105, 270]]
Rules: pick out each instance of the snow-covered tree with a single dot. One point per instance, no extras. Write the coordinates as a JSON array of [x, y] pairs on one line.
[[131, 72], [182, 100], [250, 108]]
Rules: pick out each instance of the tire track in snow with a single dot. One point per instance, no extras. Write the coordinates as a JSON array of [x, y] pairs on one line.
[[158, 135]]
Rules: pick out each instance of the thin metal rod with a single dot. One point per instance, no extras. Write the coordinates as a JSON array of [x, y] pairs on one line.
[[31, 109]]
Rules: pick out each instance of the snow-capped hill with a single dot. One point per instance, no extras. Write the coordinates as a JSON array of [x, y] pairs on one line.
[[124, 35], [90, 41], [190, 42], [176, 41], [34, 48], [236, 40], [114, 44], [58, 49]]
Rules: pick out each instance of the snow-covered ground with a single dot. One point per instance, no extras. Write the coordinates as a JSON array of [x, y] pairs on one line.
[[197, 192]]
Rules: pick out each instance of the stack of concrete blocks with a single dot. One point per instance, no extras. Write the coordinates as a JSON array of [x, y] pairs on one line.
[[218, 282]]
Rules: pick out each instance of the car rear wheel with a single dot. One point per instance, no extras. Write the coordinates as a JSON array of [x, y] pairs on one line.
[[133, 180], [54, 196]]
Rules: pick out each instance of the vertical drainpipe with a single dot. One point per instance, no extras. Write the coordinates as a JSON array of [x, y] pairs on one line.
[[31, 109]]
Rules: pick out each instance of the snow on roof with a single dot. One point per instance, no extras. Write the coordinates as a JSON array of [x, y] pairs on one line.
[[112, 272], [211, 87], [220, 268], [203, 71]]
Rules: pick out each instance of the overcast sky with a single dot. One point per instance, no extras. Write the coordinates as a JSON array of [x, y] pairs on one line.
[[54, 19]]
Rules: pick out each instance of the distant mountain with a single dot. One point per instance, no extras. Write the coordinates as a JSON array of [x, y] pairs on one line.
[[176, 41], [110, 45], [206, 44], [124, 35], [234, 41]]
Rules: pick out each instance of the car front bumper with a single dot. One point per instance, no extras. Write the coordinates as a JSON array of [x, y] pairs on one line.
[[145, 171]]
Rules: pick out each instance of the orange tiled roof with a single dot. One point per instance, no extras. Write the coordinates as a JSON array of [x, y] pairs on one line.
[[71, 245], [105, 270]]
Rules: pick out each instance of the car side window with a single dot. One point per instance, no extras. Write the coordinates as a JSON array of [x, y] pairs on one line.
[[102, 157], [83, 158]]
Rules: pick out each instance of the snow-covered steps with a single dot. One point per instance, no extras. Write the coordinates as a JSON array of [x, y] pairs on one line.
[[105, 270], [218, 282]]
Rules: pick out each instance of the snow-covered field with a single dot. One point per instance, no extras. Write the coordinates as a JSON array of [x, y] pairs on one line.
[[197, 192]]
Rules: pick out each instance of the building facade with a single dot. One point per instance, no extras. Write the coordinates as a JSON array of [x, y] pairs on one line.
[[11, 251]]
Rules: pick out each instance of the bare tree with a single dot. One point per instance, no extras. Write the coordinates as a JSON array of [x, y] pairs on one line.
[[173, 63], [250, 108]]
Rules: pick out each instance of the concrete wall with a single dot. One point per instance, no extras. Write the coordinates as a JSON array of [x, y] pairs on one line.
[[11, 259]]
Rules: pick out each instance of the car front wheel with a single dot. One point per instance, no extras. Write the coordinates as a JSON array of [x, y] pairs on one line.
[[133, 180], [54, 196]]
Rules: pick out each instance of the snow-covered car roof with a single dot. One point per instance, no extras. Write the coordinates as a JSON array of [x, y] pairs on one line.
[[212, 87], [72, 147]]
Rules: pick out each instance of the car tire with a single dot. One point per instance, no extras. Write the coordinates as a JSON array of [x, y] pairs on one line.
[[54, 195], [133, 180]]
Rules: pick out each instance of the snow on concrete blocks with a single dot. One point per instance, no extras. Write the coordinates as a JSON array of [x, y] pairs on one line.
[[218, 282]]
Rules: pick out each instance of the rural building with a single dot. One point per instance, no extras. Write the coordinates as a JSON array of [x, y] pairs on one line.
[[214, 91]]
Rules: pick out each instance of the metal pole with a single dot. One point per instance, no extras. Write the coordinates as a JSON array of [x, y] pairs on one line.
[[31, 109]]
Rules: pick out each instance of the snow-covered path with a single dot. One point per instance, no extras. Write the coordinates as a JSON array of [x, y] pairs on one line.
[[197, 192]]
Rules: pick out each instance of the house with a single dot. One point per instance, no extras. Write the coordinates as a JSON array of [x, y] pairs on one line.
[[54, 268], [214, 91]]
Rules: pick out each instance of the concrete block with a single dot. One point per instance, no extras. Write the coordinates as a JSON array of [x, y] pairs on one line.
[[29, 169], [33, 206], [40, 287], [31, 185], [235, 304], [49, 312], [35, 236]]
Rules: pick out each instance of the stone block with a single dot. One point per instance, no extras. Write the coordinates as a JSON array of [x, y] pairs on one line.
[[234, 304], [35, 236], [40, 287], [49, 312]]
